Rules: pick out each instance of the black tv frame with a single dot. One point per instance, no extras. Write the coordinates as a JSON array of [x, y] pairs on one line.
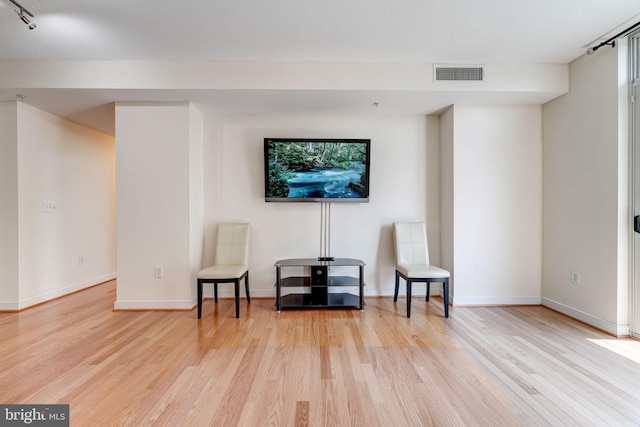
[[367, 172]]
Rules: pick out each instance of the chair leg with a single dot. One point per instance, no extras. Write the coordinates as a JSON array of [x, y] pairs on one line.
[[215, 292], [246, 286], [408, 297], [445, 296], [428, 290], [395, 295], [237, 292], [199, 298]]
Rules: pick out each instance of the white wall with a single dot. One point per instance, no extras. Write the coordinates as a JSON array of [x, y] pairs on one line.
[[495, 176], [447, 167], [8, 205], [73, 167], [585, 197], [404, 186], [196, 191], [158, 206]]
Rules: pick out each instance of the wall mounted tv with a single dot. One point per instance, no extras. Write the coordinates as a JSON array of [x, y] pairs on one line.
[[316, 170]]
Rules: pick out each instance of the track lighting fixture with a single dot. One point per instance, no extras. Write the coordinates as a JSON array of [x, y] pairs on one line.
[[22, 12], [612, 41]]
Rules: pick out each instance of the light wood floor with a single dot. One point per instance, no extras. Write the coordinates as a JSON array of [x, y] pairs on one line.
[[480, 367]]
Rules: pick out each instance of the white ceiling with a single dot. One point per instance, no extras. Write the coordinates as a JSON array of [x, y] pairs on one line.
[[377, 31], [555, 31]]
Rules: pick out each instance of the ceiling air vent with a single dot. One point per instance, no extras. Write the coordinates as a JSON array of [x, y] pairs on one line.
[[459, 73]]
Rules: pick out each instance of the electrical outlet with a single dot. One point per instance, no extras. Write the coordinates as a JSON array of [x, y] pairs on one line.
[[49, 207], [157, 272], [575, 277], [80, 259]]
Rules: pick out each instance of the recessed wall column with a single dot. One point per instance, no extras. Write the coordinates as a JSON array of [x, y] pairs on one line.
[[159, 204], [9, 291], [491, 201]]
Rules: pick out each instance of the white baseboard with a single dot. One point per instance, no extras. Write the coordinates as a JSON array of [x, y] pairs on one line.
[[368, 292], [484, 301], [16, 306], [9, 306], [228, 293], [612, 328], [154, 305], [419, 291], [619, 330], [208, 293]]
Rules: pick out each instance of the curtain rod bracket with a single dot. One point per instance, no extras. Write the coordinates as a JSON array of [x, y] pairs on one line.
[[612, 41]]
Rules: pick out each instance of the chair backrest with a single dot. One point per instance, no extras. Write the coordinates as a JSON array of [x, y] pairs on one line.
[[232, 244], [411, 243]]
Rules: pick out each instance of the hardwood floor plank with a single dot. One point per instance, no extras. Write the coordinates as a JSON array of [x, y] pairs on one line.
[[574, 382], [498, 366], [302, 414], [586, 383], [532, 411]]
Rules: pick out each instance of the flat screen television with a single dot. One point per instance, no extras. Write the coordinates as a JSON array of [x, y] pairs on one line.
[[316, 170]]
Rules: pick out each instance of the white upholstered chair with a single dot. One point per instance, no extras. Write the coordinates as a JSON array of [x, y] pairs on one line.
[[412, 262], [231, 263]]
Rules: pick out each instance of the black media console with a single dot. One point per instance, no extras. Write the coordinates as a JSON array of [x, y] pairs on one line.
[[321, 289]]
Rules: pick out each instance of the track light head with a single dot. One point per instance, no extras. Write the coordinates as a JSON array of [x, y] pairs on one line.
[[30, 25], [22, 12]]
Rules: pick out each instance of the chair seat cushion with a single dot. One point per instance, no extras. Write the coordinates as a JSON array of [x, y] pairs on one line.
[[422, 271], [222, 272]]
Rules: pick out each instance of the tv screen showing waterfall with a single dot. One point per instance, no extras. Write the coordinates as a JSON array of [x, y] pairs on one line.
[[316, 170]]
